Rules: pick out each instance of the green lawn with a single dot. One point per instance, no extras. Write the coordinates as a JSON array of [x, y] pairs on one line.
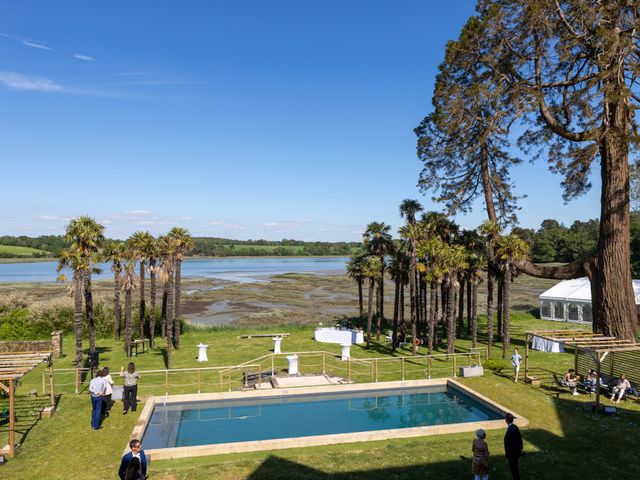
[[562, 442], [20, 251]]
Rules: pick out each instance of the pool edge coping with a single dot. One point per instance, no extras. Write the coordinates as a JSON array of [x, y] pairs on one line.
[[317, 440]]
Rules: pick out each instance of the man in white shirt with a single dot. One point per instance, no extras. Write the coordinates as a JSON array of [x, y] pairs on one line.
[[97, 389]]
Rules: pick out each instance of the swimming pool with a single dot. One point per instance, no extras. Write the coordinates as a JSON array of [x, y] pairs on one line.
[[190, 425]]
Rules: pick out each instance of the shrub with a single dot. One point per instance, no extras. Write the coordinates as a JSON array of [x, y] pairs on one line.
[[495, 365], [15, 325]]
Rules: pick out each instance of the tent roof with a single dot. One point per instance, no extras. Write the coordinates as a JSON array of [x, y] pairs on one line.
[[579, 290]]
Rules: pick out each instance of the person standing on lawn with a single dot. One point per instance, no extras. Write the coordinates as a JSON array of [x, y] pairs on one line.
[[130, 393], [97, 390], [107, 395], [513, 447], [133, 465], [516, 359]]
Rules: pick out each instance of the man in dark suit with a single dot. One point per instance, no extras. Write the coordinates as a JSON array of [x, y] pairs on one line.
[[513, 448], [134, 464]]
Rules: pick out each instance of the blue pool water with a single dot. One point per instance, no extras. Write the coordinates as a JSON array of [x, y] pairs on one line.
[[205, 423]]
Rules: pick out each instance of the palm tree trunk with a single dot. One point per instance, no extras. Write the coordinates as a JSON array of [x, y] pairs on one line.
[[117, 308], [474, 315], [451, 316], [361, 308], [178, 288], [142, 300], [413, 301], [379, 317], [461, 306], [490, 283], [506, 285], [401, 319], [381, 290], [433, 306], [77, 315], [165, 297], [152, 301], [499, 307], [88, 304], [396, 311], [469, 305], [372, 283], [169, 314], [128, 307], [445, 291]]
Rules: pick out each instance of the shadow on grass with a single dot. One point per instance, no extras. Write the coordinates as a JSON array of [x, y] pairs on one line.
[[27, 415]]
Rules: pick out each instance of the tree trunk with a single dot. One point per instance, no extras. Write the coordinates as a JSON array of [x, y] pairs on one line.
[[178, 285], [445, 291], [379, 317], [169, 314], [401, 313], [413, 306], [152, 301], [360, 297], [77, 314], [372, 284], [142, 313], [431, 318], [461, 306], [396, 312], [469, 305], [382, 289], [165, 298], [451, 316], [474, 314], [128, 307], [506, 285], [499, 306], [88, 303], [489, 311], [117, 308]]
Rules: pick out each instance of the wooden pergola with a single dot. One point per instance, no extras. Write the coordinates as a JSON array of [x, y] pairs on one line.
[[14, 366], [596, 345]]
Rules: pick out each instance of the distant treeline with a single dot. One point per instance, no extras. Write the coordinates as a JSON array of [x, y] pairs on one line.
[[554, 242], [204, 246]]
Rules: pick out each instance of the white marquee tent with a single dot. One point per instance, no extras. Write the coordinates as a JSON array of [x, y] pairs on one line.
[[570, 301]]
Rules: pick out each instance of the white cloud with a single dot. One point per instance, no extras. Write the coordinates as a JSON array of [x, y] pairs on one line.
[[84, 58], [35, 45], [216, 223], [186, 218], [33, 83], [48, 217], [139, 213]]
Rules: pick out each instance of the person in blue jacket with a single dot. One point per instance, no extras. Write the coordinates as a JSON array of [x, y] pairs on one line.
[[134, 464]]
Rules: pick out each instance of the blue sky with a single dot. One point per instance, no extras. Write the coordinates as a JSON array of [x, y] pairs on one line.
[[253, 119]]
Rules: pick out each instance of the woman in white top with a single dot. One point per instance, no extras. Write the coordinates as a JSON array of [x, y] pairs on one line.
[[106, 376], [516, 359], [130, 393]]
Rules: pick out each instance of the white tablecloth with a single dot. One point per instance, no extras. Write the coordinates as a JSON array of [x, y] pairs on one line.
[[331, 335], [543, 345]]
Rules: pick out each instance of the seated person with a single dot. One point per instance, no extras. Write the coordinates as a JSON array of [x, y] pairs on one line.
[[570, 380], [620, 389], [589, 383]]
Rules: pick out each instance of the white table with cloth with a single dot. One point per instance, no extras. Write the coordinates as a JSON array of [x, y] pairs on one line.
[[545, 345], [332, 335]]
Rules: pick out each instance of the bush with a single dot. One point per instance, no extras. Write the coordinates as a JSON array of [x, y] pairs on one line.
[[15, 325], [495, 365]]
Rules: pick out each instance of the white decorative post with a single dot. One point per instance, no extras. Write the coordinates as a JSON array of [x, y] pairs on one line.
[[293, 364], [202, 352], [346, 351], [277, 341]]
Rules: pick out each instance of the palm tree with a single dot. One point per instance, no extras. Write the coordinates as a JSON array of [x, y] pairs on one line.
[[377, 241], [129, 283], [408, 209], [509, 249], [372, 271], [182, 247], [139, 242], [355, 270], [151, 253], [167, 247], [432, 251], [72, 259], [455, 262], [113, 252], [86, 236]]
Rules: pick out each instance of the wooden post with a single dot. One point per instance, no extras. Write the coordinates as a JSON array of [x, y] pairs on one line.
[[77, 379], [454, 365], [299, 363], [526, 356], [611, 362], [324, 363], [12, 414], [349, 369], [597, 380], [198, 380], [402, 366], [259, 376], [51, 393], [273, 367], [229, 379], [166, 382], [575, 360], [429, 366], [375, 368], [246, 383], [43, 387]]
